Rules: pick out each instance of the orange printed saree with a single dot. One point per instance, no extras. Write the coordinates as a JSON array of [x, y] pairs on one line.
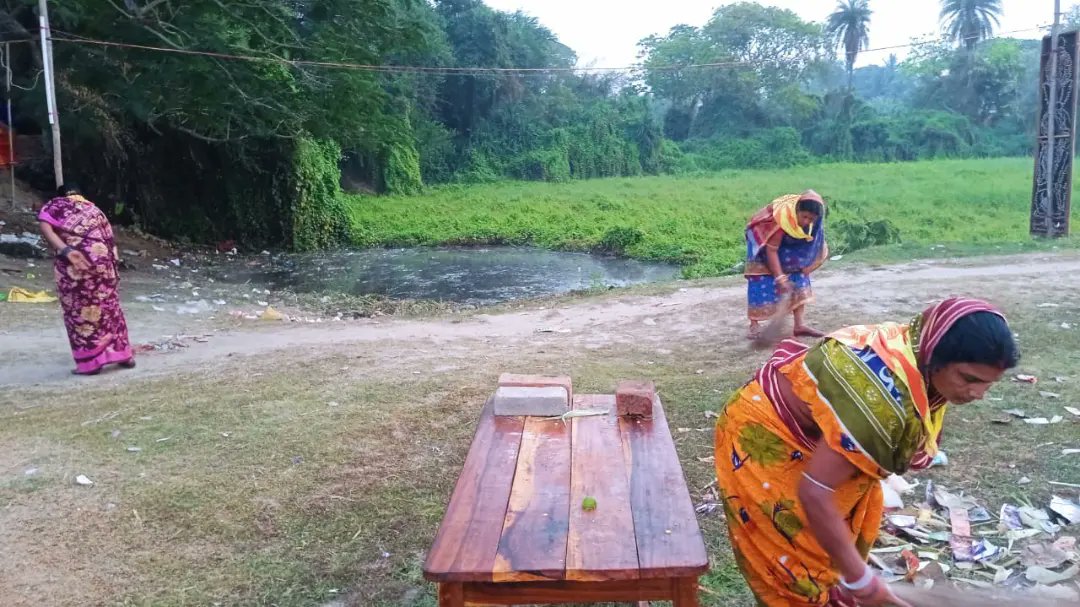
[[870, 401]]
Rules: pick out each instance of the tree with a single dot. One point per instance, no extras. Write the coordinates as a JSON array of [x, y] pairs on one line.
[[967, 22], [849, 26], [765, 53]]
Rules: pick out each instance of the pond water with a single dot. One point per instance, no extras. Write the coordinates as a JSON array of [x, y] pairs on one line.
[[469, 275]]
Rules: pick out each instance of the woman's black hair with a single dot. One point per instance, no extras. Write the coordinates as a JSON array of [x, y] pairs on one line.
[[67, 189], [982, 338], [810, 206]]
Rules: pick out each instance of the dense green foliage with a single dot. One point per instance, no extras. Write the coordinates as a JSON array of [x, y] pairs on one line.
[[699, 221], [216, 148]]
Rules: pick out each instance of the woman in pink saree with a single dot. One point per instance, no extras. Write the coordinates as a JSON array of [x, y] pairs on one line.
[[86, 281]]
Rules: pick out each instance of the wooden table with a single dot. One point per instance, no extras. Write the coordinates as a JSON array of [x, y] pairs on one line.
[[515, 531]]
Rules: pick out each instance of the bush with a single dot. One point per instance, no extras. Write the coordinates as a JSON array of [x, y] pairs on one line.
[[319, 217], [617, 240], [771, 148], [401, 170], [852, 235]]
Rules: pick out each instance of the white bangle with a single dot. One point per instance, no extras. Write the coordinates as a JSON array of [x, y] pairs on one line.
[[864, 581]]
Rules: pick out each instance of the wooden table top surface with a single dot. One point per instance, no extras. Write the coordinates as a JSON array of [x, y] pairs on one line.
[[516, 513]]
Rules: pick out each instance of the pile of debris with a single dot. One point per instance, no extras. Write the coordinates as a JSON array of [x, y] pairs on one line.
[[950, 537], [171, 343]]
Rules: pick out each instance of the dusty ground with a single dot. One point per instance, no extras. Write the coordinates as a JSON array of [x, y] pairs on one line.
[[301, 463]]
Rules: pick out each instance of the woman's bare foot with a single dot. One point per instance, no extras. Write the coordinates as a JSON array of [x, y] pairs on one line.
[[805, 331]]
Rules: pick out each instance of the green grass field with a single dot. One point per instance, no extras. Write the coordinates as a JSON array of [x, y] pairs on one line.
[[698, 222]]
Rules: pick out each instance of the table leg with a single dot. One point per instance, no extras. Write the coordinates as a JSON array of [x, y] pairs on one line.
[[451, 594], [685, 591]]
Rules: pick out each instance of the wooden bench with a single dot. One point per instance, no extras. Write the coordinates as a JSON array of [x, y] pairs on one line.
[[515, 531]]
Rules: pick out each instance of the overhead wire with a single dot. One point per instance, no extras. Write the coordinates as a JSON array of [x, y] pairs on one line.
[[69, 38]]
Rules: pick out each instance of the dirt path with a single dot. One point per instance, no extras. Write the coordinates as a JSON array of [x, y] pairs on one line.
[[36, 350]]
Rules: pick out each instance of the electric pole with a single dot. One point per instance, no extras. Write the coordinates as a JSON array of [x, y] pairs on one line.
[[50, 89]]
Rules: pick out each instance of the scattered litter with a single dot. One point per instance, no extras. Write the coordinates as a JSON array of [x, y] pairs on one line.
[[1037, 518], [1070, 451], [1027, 379], [1024, 481], [836, 258], [134, 449], [161, 440], [1041, 575], [1010, 517], [649, 322], [219, 302], [941, 459], [30, 471], [1037, 421], [979, 514], [1073, 410], [271, 314], [1049, 305], [226, 434], [83, 480], [1066, 509], [1045, 394], [175, 262], [332, 403], [194, 307], [1044, 555], [1017, 413], [903, 521], [984, 550]]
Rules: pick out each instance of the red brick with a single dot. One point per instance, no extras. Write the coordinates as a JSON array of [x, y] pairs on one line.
[[635, 397], [517, 380]]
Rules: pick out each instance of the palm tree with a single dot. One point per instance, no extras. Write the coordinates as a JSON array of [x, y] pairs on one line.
[[849, 26], [969, 21]]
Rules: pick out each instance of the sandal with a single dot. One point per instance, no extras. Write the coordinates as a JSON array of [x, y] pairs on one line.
[[128, 364]]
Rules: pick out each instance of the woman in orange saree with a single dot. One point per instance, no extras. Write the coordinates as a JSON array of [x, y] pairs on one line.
[[800, 449]]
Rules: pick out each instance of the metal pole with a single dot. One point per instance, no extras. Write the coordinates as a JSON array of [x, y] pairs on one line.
[[10, 123], [50, 89], [1051, 119]]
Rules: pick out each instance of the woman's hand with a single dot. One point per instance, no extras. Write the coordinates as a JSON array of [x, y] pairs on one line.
[[783, 284], [878, 593], [77, 259]]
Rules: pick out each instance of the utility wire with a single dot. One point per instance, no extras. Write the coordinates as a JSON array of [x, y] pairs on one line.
[[69, 38]]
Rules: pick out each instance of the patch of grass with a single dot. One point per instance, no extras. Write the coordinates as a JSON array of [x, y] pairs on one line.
[[305, 502], [698, 222]]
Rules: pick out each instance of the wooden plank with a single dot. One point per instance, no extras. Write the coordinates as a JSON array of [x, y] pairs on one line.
[[685, 592], [555, 593], [467, 541], [601, 543], [451, 594], [533, 544], [669, 542]]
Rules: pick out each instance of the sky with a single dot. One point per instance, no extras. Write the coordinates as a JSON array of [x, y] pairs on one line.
[[604, 33]]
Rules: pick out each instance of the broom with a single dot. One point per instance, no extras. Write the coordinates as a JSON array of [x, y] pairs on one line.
[[777, 327], [941, 596]]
